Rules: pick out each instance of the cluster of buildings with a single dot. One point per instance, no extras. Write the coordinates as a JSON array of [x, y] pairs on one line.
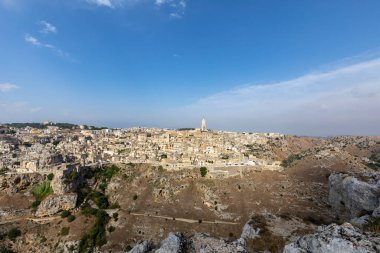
[[31, 149]]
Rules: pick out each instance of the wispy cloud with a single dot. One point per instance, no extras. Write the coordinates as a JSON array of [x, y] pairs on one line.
[[345, 100], [47, 27], [106, 3], [35, 42], [4, 87], [177, 7], [32, 40]]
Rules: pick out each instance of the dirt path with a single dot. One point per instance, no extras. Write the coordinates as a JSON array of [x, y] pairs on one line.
[[184, 220], [30, 219]]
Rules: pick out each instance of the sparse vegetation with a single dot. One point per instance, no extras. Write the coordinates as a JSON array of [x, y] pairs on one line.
[[3, 170], [100, 199], [35, 204], [373, 226], [96, 237], [5, 250], [374, 162], [13, 233], [65, 231], [50, 176], [288, 162], [111, 229], [42, 190], [70, 218], [203, 171], [65, 213]]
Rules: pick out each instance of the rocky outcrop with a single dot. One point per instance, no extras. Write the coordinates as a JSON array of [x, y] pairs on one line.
[[335, 239], [142, 247], [203, 243], [249, 232], [56, 203], [175, 243], [198, 243], [19, 182], [358, 197]]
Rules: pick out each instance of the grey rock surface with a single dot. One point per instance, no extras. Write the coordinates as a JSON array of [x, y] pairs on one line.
[[142, 247], [249, 232], [203, 243], [348, 193], [55, 203], [174, 243], [335, 239]]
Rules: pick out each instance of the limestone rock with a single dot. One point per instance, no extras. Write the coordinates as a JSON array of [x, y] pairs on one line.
[[335, 239], [175, 243], [355, 196], [203, 243], [376, 212], [55, 203], [142, 247], [249, 232], [360, 222]]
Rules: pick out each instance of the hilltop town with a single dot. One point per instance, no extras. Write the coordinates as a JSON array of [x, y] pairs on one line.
[[37, 149], [77, 188]]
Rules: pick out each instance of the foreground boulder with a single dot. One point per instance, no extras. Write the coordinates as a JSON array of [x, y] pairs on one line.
[[203, 243], [56, 203], [357, 197], [335, 239], [175, 243], [142, 247]]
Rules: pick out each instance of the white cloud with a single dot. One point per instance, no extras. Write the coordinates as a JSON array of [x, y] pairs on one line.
[[32, 40], [341, 101], [106, 3], [35, 42], [47, 27], [177, 7], [4, 87]]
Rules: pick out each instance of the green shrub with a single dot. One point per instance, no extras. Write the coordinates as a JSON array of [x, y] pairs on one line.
[[115, 216], [5, 250], [135, 197], [114, 205], [65, 231], [35, 204], [65, 213], [97, 235], [3, 170], [87, 210], [70, 218], [103, 186], [13, 233], [100, 199], [111, 229], [288, 162], [50, 176], [203, 171], [42, 190]]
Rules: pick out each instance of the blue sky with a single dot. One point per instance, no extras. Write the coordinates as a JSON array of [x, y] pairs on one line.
[[300, 67]]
